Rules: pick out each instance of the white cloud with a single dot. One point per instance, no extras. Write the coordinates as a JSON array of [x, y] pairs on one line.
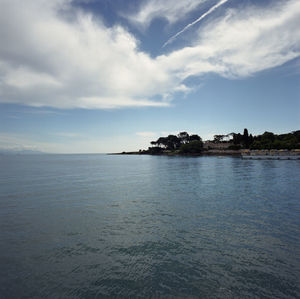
[[24, 78], [108, 103], [46, 60], [241, 43], [49, 60], [171, 10]]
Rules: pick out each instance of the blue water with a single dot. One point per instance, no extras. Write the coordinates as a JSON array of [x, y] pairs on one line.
[[97, 226]]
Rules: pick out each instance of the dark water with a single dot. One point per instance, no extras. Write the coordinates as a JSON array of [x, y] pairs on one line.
[[94, 226]]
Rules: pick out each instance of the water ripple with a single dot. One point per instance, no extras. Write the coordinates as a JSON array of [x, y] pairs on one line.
[[93, 226]]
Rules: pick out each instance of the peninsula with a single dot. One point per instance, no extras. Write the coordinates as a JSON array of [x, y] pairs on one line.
[[233, 144]]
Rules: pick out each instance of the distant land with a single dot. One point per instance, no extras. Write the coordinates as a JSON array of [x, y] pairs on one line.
[[230, 144], [19, 152]]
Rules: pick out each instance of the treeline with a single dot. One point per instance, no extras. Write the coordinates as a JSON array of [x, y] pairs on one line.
[[182, 143], [267, 140]]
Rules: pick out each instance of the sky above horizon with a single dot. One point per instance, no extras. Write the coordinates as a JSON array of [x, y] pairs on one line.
[[97, 76]]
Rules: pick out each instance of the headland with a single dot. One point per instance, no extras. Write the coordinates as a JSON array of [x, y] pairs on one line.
[[267, 145]]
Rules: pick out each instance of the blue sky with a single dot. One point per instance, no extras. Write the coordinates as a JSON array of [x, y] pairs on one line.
[[90, 76]]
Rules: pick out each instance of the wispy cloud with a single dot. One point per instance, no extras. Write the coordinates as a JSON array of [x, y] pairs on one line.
[[171, 10], [49, 61], [171, 39], [241, 42]]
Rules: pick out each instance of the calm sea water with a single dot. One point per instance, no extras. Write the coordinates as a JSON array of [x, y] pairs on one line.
[[96, 226]]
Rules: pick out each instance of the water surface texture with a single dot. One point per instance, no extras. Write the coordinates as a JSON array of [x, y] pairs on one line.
[[96, 226]]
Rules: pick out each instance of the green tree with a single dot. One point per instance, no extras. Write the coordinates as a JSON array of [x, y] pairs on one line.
[[184, 137], [162, 141], [246, 141], [155, 150], [173, 142], [251, 139], [237, 138], [268, 136], [195, 138], [194, 147], [218, 138]]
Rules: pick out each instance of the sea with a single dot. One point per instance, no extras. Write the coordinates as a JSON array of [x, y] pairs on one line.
[[137, 226]]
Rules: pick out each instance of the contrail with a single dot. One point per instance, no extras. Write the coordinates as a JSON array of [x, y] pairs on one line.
[[171, 39]]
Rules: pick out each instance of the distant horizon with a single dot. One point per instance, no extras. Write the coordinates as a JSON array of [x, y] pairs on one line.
[[36, 151], [97, 76]]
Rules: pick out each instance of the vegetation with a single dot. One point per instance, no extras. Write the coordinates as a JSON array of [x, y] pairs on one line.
[[269, 140], [183, 143], [193, 147]]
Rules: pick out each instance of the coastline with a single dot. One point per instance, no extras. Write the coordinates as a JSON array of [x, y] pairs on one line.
[[293, 154], [245, 154], [176, 153], [265, 146]]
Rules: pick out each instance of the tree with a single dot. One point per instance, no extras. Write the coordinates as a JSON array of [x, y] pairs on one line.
[[184, 137], [173, 142], [195, 137], [251, 139], [269, 140], [268, 136], [162, 141], [246, 140], [194, 147], [237, 138], [155, 150], [218, 138]]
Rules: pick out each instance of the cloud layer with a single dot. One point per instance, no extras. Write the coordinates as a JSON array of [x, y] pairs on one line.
[[52, 55], [171, 10], [49, 59], [242, 42]]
